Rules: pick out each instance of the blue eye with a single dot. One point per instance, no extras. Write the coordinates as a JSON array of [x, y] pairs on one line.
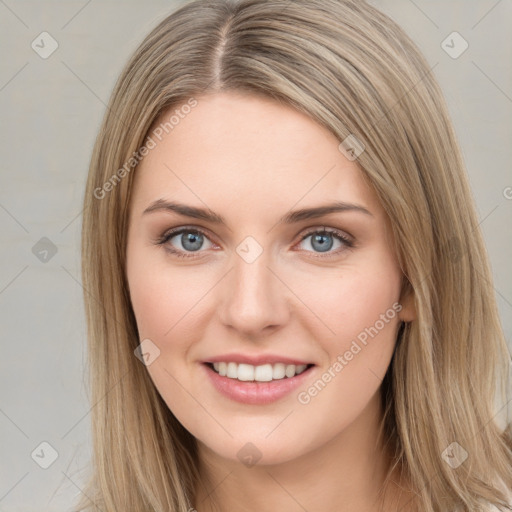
[[322, 241], [191, 240]]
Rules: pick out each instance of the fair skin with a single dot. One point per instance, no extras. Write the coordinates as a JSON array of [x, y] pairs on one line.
[[253, 161]]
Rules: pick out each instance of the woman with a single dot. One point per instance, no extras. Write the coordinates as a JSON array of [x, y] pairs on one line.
[[287, 293]]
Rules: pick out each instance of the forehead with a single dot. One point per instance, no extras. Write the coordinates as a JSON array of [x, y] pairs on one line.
[[247, 150]]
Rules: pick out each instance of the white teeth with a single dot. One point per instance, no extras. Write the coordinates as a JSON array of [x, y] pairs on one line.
[[290, 370], [232, 371], [262, 373], [300, 368], [245, 372], [279, 371]]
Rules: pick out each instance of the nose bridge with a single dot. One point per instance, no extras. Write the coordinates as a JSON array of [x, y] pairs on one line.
[[253, 299]]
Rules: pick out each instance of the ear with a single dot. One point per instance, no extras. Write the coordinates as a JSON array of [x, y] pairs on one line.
[[408, 311]]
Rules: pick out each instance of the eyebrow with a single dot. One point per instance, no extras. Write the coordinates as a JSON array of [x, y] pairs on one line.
[[289, 218]]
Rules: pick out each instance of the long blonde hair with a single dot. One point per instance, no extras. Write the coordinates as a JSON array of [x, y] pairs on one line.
[[354, 71]]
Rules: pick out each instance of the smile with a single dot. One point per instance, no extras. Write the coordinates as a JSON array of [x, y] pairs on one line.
[[256, 384], [262, 373]]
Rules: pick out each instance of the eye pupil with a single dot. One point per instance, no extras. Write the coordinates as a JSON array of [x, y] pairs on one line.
[[196, 240], [192, 240], [320, 238]]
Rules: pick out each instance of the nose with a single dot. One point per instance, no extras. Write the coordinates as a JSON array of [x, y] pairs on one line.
[[254, 301]]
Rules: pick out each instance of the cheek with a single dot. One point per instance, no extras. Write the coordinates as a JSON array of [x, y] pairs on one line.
[[358, 308], [350, 300], [362, 310], [164, 300], [167, 304], [368, 302]]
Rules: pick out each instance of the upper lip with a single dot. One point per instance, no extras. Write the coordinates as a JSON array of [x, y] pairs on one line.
[[255, 360]]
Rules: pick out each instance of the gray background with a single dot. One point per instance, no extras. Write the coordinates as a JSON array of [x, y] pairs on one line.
[[51, 110]]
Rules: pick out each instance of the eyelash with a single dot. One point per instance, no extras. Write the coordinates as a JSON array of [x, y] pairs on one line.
[[178, 231]]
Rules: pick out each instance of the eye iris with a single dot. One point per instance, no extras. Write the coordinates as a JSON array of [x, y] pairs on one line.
[[195, 238], [320, 238]]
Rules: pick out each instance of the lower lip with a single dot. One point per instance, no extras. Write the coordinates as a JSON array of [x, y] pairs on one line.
[[256, 393]]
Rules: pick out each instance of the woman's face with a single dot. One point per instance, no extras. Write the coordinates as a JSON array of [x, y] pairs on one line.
[[255, 280]]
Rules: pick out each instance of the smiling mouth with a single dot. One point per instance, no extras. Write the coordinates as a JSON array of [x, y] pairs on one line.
[[262, 373]]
